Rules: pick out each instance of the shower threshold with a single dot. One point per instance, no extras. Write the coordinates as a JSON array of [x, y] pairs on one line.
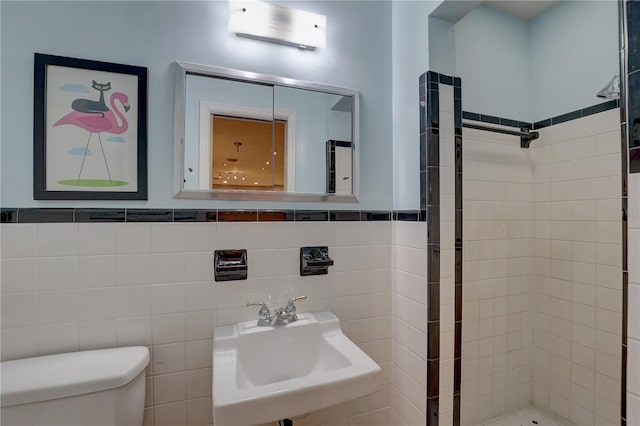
[[529, 416]]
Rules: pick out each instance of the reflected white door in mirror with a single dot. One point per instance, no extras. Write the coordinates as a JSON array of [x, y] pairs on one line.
[[245, 136]]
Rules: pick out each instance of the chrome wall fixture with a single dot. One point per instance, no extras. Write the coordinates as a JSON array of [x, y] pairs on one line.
[[277, 24]]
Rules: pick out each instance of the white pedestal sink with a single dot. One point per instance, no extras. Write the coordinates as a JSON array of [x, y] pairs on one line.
[[264, 374]]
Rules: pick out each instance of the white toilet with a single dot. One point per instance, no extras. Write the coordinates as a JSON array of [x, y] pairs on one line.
[[91, 388]]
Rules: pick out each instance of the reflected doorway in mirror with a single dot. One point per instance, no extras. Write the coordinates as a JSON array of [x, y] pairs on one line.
[[248, 154]]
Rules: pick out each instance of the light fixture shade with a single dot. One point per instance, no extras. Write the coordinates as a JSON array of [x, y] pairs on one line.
[[277, 24], [611, 90]]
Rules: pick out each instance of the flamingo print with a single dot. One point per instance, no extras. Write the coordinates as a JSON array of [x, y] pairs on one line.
[[94, 123]]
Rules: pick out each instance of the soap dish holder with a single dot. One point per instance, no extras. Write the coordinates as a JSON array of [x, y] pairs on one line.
[[230, 265], [315, 260]]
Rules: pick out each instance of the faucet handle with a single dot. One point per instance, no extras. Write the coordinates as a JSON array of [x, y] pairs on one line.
[[291, 307], [264, 312]]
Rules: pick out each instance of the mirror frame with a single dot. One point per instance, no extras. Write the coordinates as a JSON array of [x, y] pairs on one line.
[[182, 69]]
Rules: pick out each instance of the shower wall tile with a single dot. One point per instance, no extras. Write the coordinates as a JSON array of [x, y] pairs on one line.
[[577, 283], [633, 320], [121, 284], [498, 268]]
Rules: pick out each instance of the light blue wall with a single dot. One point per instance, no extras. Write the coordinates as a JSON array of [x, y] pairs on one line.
[[153, 35], [442, 42], [574, 51], [532, 70], [493, 61], [410, 60]]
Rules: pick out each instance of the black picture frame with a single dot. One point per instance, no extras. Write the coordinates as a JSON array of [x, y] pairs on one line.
[[75, 118]]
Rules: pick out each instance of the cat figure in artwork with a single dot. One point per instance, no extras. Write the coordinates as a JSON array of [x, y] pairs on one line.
[[93, 107]]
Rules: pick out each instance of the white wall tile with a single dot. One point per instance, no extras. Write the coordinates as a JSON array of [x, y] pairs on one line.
[[167, 298], [634, 312], [199, 412], [169, 358], [96, 304], [200, 237], [57, 239], [133, 301], [97, 334], [57, 273], [200, 324], [133, 238], [633, 368], [167, 268], [57, 338], [133, 269], [633, 409], [96, 239], [200, 296], [633, 355], [169, 328], [19, 275], [19, 240], [19, 310], [96, 271], [634, 255], [608, 165], [19, 342], [127, 284], [57, 307], [170, 414], [169, 388], [167, 237], [198, 354], [199, 383], [634, 201], [134, 331]]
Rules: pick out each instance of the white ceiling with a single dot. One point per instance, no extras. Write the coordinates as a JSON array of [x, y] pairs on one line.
[[525, 9]]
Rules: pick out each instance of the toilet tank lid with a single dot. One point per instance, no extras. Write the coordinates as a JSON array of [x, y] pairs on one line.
[[48, 377]]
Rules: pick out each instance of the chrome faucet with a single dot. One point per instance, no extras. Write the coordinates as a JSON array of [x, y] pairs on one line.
[[281, 316], [264, 314]]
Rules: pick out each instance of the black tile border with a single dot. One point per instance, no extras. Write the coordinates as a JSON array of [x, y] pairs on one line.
[[430, 205], [9, 216], [490, 119], [54, 215], [312, 215], [276, 215], [429, 145], [580, 113], [99, 215], [458, 253], [144, 215], [122, 215], [375, 216], [344, 216], [563, 118]]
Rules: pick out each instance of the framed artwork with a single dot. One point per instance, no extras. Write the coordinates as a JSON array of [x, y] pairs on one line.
[[90, 130]]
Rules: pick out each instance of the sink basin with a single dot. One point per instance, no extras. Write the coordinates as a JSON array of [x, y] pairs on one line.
[[264, 374]]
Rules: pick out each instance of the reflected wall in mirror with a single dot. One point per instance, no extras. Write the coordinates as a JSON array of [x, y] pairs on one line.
[[241, 135]]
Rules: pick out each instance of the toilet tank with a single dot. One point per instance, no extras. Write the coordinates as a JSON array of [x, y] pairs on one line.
[[90, 388]]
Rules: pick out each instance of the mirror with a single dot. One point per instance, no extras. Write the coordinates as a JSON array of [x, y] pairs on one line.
[[246, 136]]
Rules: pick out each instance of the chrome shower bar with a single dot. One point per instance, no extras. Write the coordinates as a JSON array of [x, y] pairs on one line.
[[526, 136]]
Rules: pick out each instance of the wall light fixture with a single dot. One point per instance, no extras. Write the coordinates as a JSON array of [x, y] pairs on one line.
[[277, 24]]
